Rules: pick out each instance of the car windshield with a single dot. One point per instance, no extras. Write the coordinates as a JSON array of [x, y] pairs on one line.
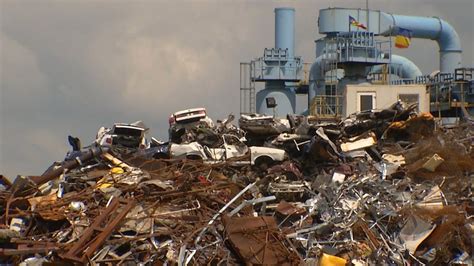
[[127, 131]]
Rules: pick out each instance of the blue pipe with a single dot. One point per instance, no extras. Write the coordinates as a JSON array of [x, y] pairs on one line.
[[333, 20], [285, 29], [408, 69], [430, 28], [317, 81]]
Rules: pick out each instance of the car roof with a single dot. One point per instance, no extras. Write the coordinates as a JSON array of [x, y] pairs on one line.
[[189, 111], [123, 125]]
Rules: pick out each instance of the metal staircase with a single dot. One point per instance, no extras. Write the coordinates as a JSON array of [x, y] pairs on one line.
[[329, 105]]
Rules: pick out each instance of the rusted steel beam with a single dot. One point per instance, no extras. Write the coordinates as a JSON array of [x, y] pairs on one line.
[[31, 248], [90, 241], [373, 241]]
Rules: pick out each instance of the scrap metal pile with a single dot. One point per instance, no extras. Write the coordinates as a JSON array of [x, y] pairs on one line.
[[380, 187]]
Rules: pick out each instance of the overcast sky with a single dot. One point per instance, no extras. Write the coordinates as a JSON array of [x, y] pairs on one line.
[[69, 67]]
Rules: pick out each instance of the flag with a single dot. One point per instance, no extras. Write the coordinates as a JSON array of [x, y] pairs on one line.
[[354, 22], [403, 38]]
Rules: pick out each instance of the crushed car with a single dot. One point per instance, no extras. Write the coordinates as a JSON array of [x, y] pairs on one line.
[[181, 122], [232, 147], [380, 187], [130, 137]]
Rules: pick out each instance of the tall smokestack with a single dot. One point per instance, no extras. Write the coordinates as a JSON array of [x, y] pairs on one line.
[[285, 29]]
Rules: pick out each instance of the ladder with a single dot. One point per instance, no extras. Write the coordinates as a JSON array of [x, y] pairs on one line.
[[328, 105], [247, 88]]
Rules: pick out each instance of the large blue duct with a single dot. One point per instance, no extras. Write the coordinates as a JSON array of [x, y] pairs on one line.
[[434, 29], [333, 20], [400, 66], [317, 79]]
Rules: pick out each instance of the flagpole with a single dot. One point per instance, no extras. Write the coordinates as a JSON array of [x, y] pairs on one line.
[[367, 7], [390, 57]]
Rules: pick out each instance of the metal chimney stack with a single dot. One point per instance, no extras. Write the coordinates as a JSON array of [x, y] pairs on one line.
[[285, 29], [278, 68]]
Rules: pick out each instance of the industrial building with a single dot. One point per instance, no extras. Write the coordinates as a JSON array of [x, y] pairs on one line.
[[355, 69]]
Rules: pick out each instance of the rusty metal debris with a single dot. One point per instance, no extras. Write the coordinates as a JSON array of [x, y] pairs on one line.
[[380, 187]]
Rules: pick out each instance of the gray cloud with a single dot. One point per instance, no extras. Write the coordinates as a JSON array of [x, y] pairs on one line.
[[69, 67]]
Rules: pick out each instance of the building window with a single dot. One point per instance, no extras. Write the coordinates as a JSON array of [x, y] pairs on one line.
[[410, 98], [365, 101]]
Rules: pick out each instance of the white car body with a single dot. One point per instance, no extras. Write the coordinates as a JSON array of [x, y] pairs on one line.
[[277, 155], [107, 136], [190, 116], [227, 151]]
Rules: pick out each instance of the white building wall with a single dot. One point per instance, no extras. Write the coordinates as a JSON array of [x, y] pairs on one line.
[[385, 95]]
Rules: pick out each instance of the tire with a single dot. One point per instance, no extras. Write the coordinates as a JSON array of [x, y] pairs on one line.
[[161, 156], [194, 157], [264, 162]]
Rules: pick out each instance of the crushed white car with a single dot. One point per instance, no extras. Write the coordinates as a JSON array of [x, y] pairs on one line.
[[130, 136], [190, 117], [181, 122], [258, 124], [232, 149]]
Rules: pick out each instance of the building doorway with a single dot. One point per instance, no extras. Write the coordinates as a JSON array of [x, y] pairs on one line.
[[366, 101]]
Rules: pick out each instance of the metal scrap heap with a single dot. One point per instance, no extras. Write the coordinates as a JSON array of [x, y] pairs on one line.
[[385, 187]]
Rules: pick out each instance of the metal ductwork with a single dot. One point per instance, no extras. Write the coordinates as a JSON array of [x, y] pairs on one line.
[[317, 81], [400, 66], [333, 20], [285, 29], [434, 29]]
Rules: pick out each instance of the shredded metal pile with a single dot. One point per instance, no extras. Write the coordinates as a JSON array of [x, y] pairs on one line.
[[388, 187]]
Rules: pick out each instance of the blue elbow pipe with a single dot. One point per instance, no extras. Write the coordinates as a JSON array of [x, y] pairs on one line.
[[401, 66], [434, 29], [317, 81]]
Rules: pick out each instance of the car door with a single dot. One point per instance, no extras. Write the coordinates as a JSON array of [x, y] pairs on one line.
[[216, 154], [234, 147]]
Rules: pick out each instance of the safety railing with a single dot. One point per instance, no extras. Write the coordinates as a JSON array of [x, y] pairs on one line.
[[357, 46], [276, 69], [326, 106]]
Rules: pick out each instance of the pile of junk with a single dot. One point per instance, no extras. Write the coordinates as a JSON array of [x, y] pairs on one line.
[[380, 187]]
